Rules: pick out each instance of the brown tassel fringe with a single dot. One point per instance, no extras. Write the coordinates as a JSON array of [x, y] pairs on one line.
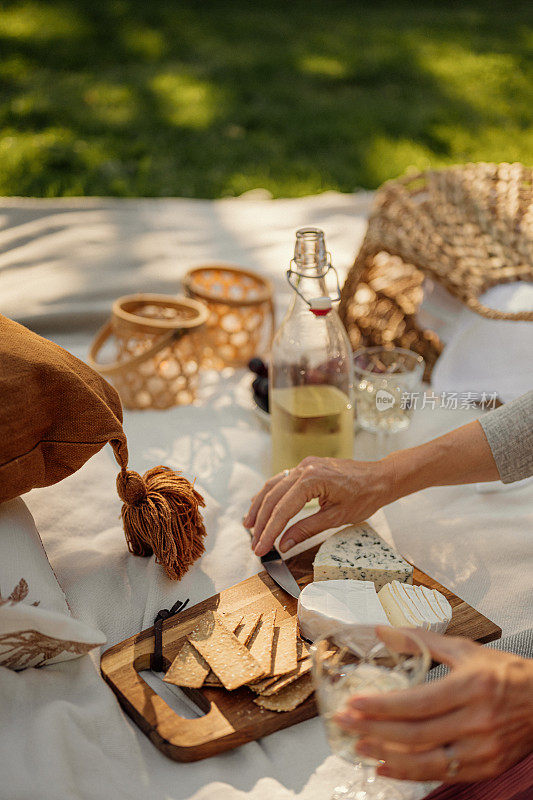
[[161, 516]]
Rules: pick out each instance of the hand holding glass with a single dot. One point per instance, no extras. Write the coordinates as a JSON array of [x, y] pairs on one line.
[[355, 662]]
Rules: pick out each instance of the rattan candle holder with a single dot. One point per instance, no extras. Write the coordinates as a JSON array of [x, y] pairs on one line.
[[241, 313], [158, 342]]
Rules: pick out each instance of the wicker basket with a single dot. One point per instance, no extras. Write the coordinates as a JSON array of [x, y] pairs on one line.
[[241, 313], [468, 228], [158, 342]]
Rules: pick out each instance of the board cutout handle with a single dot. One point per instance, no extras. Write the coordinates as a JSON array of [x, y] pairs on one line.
[[175, 735]]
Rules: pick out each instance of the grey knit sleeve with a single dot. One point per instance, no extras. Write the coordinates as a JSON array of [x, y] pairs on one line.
[[509, 431]]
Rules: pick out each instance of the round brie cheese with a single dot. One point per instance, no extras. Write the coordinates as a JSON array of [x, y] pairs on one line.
[[327, 607]]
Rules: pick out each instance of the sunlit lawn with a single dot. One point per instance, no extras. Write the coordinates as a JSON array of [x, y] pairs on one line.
[[208, 99]]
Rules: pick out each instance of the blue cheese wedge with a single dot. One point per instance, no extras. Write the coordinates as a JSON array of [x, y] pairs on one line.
[[415, 607], [358, 553]]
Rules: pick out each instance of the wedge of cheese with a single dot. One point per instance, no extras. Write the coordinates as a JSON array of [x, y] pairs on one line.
[[358, 553], [328, 607], [415, 607]]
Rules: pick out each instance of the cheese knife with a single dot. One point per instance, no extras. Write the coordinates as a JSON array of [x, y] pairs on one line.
[[280, 573]]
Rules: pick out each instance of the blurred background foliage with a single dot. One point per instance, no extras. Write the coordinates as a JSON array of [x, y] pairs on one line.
[[210, 99]]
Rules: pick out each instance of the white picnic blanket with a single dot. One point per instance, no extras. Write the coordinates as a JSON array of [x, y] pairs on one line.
[[62, 263]]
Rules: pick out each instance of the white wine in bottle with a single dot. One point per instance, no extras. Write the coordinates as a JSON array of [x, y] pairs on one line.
[[311, 370], [306, 420]]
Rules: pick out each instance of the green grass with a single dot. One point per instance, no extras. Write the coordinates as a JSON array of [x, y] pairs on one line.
[[210, 99]]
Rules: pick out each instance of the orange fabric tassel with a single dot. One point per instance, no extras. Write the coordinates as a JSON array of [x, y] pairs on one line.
[[161, 514]]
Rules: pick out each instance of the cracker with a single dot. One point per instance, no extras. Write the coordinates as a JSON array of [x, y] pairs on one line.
[[277, 684], [288, 698], [243, 631], [285, 647], [232, 619], [260, 645], [302, 649], [246, 629], [229, 659], [259, 686], [188, 668]]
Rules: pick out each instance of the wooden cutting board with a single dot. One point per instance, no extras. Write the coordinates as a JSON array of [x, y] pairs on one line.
[[232, 718]]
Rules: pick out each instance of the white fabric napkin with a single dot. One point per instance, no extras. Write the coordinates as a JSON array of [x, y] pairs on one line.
[[486, 355], [36, 626]]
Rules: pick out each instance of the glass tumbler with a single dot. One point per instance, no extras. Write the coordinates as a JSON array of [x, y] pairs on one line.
[[386, 381]]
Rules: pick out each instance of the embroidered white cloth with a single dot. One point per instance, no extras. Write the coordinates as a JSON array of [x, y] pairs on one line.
[[63, 262], [36, 626]]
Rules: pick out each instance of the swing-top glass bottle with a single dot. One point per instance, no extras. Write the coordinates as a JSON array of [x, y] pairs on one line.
[[311, 370]]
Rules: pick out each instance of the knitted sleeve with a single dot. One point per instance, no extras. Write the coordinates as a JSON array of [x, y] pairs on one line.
[[509, 431]]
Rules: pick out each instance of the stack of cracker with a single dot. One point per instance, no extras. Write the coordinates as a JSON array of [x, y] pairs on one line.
[[236, 650]]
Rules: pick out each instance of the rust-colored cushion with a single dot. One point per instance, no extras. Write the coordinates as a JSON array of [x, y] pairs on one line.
[[55, 411]]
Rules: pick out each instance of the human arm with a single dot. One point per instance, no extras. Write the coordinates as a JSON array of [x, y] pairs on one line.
[[350, 491], [480, 716]]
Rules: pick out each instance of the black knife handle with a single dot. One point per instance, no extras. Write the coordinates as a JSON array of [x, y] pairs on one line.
[[273, 555]]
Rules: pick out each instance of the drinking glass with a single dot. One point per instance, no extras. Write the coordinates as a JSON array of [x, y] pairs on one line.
[[355, 661], [385, 383]]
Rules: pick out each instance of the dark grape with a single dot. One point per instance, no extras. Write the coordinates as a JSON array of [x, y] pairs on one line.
[[258, 366], [260, 387], [262, 402]]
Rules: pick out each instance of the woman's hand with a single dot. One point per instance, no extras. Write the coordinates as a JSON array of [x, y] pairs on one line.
[[473, 724], [348, 491], [351, 491]]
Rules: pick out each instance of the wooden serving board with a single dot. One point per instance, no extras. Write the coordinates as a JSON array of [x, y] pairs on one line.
[[232, 718]]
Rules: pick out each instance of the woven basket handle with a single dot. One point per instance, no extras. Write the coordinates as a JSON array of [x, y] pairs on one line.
[[117, 367], [491, 313]]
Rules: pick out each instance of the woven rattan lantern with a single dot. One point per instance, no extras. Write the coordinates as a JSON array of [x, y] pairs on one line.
[[468, 228], [241, 313], [158, 341]]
